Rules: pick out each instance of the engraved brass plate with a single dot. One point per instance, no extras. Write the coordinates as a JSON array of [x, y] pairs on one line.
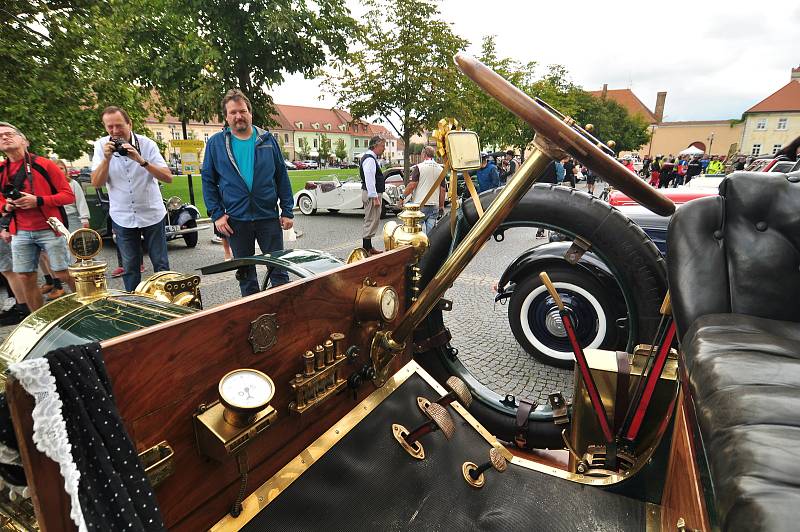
[[263, 332]]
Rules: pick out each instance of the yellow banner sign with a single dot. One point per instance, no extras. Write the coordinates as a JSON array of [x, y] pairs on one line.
[[189, 144]]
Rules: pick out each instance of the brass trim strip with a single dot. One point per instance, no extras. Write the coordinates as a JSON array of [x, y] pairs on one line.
[[269, 490], [652, 514]]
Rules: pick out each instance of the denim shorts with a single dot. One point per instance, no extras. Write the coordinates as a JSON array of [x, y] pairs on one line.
[[27, 245], [5, 256]]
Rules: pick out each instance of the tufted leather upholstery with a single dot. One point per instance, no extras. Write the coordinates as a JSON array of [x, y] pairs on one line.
[[734, 272]]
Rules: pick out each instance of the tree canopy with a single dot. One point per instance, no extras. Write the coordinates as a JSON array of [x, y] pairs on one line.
[[403, 70]]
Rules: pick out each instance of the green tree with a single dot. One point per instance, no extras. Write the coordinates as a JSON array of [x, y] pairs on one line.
[[303, 149], [612, 122], [403, 71], [255, 43], [324, 149], [341, 150], [57, 72]]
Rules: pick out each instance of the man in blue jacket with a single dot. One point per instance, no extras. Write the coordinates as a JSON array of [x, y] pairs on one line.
[[244, 178], [488, 175]]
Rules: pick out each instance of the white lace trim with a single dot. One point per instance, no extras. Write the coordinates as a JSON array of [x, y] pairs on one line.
[[49, 427], [15, 491], [9, 456]]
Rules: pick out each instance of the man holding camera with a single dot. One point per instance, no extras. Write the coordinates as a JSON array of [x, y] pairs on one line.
[[244, 180], [34, 189], [130, 166]]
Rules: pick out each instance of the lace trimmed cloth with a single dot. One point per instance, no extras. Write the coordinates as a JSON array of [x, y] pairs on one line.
[[76, 423]]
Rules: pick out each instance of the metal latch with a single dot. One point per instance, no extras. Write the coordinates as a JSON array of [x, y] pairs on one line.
[[559, 407], [158, 462], [576, 250]]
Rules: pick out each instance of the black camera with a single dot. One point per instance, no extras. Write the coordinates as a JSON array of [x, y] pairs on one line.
[[118, 148], [11, 192]]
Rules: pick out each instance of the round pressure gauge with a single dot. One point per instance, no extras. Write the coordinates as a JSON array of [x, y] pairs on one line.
[[390, 303], [244, 393], [85, 243], [376, 302]]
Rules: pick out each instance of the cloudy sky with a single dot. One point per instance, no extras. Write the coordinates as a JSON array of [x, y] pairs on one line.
[[715, 59]]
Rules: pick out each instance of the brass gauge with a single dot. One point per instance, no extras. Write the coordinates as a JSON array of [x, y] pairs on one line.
[[85, 243], [377, 303], [244, 393]]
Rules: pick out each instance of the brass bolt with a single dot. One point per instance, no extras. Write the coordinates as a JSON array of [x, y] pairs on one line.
[[329, 352]]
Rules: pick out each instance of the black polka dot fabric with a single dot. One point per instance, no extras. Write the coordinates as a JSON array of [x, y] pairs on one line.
[[11, 474], [113, 491]]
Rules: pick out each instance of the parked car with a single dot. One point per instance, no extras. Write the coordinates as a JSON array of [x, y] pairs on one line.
[[335, 196], [311, 164], [175, 169], [289, 165], [84, 175], [347, 164], [771, 163], [588, 286], [300, 165], [73, 172], [181, 218]]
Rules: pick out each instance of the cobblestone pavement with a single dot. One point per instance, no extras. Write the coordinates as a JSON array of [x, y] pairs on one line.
[[480, 327]]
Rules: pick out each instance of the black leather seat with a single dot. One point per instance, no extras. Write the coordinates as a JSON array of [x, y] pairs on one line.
[[734, 272]]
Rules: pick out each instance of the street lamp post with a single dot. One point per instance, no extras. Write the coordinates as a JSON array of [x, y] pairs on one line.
[[652, 134], [710, 142]]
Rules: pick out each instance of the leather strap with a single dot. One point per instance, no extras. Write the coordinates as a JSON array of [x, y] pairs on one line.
[[437, 340], [523, 414]]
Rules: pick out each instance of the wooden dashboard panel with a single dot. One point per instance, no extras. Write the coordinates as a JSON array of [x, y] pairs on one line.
[[162, 374]]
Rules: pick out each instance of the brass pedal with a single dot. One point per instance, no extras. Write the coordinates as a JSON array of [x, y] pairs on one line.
[[474, 474], [458, 392], [439, 420]]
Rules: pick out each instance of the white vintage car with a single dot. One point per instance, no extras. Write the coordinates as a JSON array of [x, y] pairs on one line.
[[335, 196]]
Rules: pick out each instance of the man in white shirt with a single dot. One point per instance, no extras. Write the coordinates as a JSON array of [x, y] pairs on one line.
[[373, 184], [422, 179], [130, 171]]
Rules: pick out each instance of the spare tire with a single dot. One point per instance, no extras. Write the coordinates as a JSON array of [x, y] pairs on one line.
[[636, 263]]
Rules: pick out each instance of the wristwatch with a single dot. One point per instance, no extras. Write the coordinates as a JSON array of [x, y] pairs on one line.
[[144, 164]]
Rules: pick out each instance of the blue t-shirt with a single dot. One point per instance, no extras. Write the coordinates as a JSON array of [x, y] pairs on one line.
[[244, 151]]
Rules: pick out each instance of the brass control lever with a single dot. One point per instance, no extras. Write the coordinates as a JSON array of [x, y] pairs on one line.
[[458, 392], [473, 474], [439, 420]]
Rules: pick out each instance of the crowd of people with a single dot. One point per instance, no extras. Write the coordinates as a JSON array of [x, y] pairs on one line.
[[663, 172]]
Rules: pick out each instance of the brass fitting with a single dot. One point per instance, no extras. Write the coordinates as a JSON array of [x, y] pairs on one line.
[[408, 233]]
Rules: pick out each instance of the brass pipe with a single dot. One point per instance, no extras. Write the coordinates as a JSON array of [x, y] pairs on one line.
[[500, 208]]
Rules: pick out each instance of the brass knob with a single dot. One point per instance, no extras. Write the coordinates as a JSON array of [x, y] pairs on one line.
[[474, 474], [439, 420], [589, 127], [308, 363], [319, 357], [611, 144]]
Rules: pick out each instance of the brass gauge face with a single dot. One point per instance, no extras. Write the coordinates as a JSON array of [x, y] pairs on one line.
[[85, 243], [390, 303], [246, 390]]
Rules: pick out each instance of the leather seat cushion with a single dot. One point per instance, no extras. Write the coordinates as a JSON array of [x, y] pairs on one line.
[[744, 377]]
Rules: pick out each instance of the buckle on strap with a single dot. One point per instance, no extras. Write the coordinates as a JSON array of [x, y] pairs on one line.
[[523, 415], [559, 406]]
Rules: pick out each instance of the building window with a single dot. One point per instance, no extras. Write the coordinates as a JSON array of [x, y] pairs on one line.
[[286, 138], [315, 143], [776, 148], [782, 123], [756, 149], [159, 137], [205, 136], [355, 143], [761, 124]]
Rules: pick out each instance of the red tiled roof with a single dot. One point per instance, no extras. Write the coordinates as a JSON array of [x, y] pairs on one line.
[[787, 98], [295, 114], [627, 99]]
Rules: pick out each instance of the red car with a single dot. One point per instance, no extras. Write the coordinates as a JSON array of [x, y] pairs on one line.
[[300, 165], [73, 172]]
